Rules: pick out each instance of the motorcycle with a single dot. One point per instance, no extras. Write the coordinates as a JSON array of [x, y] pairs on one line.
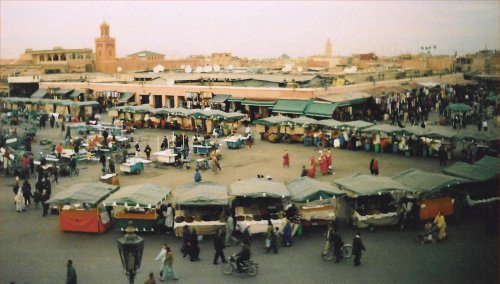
[[251, 268]]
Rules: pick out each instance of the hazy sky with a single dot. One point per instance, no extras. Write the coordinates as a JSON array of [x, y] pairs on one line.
[[252, 29]]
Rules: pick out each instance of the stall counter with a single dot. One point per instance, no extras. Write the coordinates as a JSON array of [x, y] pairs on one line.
[[84, 221]]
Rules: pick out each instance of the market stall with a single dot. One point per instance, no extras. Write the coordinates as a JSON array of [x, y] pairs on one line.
[[80, 208], [200, 205], [372, 199], [434, 192], [137, 203], [316, 200], [257, 200], [235, 141]]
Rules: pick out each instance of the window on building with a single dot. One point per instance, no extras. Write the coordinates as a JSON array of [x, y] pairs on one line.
[[63, 57], [49, 57], [56, 57], [42, 57], [88, 56]]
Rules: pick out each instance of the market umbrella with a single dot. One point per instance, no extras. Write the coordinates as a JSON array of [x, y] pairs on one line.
[[91, 193], [460, 107], [201, 193]]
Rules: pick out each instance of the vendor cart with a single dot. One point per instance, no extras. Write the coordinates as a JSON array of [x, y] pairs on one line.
[[137, 203], [80, 208], [131, 167], [235, 141], [200, 205], [165, 157], [315, 201]]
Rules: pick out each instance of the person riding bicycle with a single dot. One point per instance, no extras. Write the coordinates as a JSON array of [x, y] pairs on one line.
[[243, 255]]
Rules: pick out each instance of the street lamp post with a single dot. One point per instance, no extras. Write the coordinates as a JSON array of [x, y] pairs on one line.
[[130, 248]]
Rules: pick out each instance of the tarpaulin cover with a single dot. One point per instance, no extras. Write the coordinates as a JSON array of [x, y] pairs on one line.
[[366, 184], [146, 195], [386, 128], [306, 189], [258, 187], [91, 193], [460, 107], [420, 181], [82, 221], [356, 124], [469, 171], [201, 193]]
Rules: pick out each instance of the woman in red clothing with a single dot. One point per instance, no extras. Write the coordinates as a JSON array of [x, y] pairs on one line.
[[323, 164], [286, 159], [312, 169]]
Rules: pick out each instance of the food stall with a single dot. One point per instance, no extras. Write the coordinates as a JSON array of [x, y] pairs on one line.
[[200, 205], [80, 208], [316, 201], [372, 200], [257, 200], [137, 203], [434, 192]]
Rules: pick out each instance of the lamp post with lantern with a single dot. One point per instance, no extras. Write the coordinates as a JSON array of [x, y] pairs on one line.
[[130, 248]]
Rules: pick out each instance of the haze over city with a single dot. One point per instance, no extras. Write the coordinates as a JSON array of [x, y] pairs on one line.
[[253, 29]]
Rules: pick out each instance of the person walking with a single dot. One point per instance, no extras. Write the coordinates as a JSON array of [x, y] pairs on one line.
[[19, 199], [219, 248], [287, 234], [168, 269], [374, 167], [229, 231], [27, 193], [70, 273], [273, 245], [46, 192], [161, 256], [197, 175], [186, 236], [194, 249], [59, 150], [111, 165], [286, 159], [337, 245], [137, 149], [147, 150], [440, 222], [102, 160], [357, 248], [169, 218], [443, 156]]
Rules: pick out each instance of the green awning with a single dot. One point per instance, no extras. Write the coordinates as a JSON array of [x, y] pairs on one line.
[[386, 128], [217, 99], [420, 181], [490, 163], [290, 106], [40, 93], [306, 189], [356, 124], [125, 97], [366, 184], [236, 99], [273, 120], [468, 171], [351, 102], [258, 103], [74, 94], [258, 187], [144, 195], [320, 109], [90, 192], [201, 193]]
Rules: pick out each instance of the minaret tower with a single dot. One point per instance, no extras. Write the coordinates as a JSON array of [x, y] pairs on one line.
[[328, 48], [105, 51]]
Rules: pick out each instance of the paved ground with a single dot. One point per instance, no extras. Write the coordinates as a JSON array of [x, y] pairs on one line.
[[34, 250]]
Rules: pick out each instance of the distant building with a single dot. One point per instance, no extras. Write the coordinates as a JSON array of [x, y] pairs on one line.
[[105, 51]]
